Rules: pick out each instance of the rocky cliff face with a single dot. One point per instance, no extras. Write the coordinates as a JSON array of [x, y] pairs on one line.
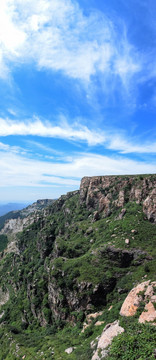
[[13, 226], [80, 257], [105, 193], [16, 220]]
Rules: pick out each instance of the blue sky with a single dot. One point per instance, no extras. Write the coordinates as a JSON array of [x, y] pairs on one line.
[[77, 93]]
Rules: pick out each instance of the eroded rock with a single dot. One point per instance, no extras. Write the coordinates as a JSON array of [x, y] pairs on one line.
[[104, 193], [142, 292], [108, 334], [89, 319], [121, 215], [132, 301], [149, 206], [149, 314], [99, 323]]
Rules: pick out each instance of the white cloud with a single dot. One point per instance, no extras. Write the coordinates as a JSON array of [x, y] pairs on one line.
[[4, 147], [12, 112], [45, 148], [11, 36], [75, 132], [127, 62], [57, 35], [13, 149], [19, 171], [126, 146]]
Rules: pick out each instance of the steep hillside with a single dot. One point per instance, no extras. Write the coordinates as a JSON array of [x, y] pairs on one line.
[[15, 221], [72, 270]]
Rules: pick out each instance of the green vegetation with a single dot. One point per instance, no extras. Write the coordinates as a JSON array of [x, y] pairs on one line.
[[8, 216], [136, 343], [68, 266], [3, 242]]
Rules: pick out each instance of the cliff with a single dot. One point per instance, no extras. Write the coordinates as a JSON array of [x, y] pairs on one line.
[[105, 193], [16, 221], [76, 262]]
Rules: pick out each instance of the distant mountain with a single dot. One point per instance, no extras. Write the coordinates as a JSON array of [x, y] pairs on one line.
[[5, 208], [16, 219]]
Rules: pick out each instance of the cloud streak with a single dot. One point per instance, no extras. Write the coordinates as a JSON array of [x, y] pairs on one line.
[[17, 170], [126, 146], [38, 128], [75, 132], [56, 35]]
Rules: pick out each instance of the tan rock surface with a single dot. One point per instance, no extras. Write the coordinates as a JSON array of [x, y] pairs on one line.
[[149, 205], [108, 334], [103, 193], [89, 319], [149, 314], [133, 300], [94, 315], [98, 323], [149, 293], [13, 226]]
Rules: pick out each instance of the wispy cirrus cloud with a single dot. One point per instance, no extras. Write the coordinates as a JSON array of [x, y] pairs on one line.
[[76, 132], [56, 35], [128, 146], [13, 149], [45, 148], [17, 170], [36, 127]]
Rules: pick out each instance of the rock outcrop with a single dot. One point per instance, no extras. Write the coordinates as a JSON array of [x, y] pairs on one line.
[[105, 340], [16, 221], [143, 292], [71, 264], [4, 297], [13, 226], [89, 319], [133, 300], [149, 206], [25, 217], [149, 314], [104, 193]]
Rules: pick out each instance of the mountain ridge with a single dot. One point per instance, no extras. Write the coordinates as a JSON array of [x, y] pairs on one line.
[[5, 208], [15, 221], [79, 258]]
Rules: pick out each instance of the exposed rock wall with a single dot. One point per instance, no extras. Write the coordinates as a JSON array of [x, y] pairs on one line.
[[13, 226], [104, 193], [26, 217]]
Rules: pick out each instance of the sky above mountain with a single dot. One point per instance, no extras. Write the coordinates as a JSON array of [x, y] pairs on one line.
[[77, 93]]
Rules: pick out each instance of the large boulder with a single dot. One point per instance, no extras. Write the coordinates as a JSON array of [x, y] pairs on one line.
[[143, 292], [108, 334]]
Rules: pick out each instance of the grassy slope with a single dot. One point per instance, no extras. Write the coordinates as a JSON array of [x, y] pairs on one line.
[[81, 258]]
